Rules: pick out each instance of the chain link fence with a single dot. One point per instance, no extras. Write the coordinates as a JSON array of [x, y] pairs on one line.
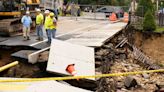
[[160, 18], [136, 17]]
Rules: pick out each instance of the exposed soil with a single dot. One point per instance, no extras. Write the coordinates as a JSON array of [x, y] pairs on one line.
[[5, 57], [152, 45], [124, 61]]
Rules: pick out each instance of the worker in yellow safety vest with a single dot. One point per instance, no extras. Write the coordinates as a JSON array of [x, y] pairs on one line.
[[46, 22], [50, 26], [47, 12], [39, 25]]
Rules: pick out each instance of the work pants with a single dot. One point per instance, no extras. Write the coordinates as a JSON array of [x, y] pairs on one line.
[[50, 34], [26, 31], [39, 31]]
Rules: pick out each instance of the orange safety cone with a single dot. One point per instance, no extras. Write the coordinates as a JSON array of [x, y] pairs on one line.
[[70, 69], [126, 17], [113, 17]]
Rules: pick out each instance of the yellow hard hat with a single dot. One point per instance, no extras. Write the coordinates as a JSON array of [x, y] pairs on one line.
[[51, 14]]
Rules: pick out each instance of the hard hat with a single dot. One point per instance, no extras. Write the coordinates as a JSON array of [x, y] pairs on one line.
[[27, 12], [51, 14], [38, 10], [47, 11]]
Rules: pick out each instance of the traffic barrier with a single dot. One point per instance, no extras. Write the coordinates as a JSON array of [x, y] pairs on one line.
[[113, 17], [126, 17], [81, 77], [70, 69], [8, 66]]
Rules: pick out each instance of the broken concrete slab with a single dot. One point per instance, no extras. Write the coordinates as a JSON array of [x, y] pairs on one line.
[[86, 42], [63, 54], [23, 54], [44, 86], [96, 38], [34, 57]]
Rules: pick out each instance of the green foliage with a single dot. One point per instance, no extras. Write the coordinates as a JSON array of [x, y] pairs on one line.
[[149, 22], [144, 6], [105, 2], [162, 4], [159, 29]]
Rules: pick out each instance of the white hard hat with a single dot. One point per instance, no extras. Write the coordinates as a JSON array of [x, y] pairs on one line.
[[38, 10], [47, 11], [27, 12]]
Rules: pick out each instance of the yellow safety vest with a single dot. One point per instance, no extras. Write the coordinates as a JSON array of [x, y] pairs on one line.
[[46, 23], [51, 24], [39, 19]]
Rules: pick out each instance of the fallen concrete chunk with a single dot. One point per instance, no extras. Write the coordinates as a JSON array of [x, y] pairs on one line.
[[23, 54], [63, 54], [146, 76], [34, 57], [130, 82]]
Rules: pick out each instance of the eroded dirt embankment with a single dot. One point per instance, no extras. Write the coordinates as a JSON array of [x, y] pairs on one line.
[[152, 44], [122, 59]]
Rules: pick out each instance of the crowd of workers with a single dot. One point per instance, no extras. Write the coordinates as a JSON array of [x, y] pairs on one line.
[[47, 21]]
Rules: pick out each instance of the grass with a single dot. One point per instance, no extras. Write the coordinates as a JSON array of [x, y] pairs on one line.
[[159, 29]]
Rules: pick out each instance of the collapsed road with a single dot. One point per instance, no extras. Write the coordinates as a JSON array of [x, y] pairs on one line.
[[114, 55]]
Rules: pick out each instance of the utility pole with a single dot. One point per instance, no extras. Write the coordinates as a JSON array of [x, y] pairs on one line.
[[134, 4], [157, 2]]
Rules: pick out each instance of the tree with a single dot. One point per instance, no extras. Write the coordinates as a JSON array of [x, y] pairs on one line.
[[103, 2], [144, 6], [114, 2], [149, 22]]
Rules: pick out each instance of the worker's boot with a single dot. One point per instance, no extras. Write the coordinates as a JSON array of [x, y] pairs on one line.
[[41, 39], [24, 38], [28, 38], [38, 38]]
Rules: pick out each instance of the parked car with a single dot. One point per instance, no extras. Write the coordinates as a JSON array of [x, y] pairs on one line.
[[108, 10]]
